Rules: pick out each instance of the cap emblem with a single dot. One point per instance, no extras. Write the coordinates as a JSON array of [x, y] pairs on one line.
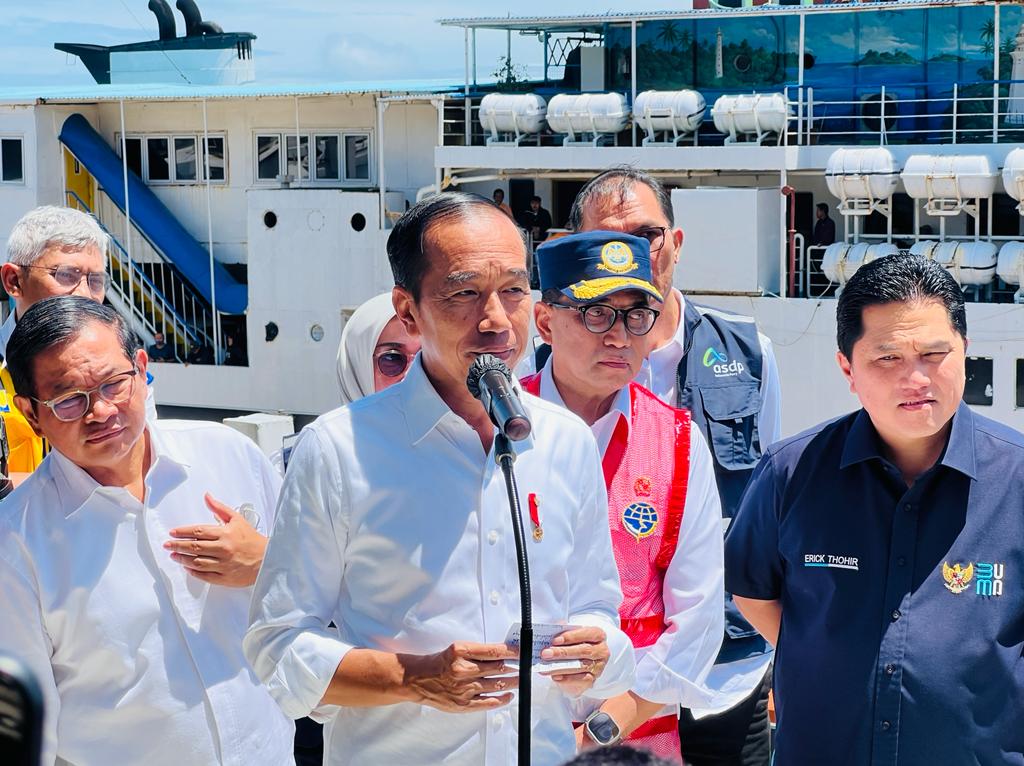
[[617, 257]]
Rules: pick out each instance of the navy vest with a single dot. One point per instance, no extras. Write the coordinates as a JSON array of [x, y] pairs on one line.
[[719, 382]]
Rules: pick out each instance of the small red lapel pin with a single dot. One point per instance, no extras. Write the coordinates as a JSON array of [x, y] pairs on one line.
[[538, 530]]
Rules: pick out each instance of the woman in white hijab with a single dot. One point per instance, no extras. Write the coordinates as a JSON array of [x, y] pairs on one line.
[[375, 350]]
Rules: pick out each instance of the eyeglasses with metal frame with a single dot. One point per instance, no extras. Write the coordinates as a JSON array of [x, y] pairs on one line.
[[71, 277], [74, 405], [600, 317]]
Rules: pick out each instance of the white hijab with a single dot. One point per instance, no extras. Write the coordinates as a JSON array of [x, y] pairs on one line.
[[358, 340]]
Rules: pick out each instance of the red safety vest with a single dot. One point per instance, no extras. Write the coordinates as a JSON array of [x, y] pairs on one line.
[[646, 467]]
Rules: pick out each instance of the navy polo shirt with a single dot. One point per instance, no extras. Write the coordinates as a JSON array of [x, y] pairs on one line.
[[902, 609]]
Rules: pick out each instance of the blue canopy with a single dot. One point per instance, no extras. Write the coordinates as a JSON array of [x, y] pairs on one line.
[[152, 217]]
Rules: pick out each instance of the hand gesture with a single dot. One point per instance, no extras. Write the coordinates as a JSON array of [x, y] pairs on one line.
[[462, 677], [586, 644], [229, 553]]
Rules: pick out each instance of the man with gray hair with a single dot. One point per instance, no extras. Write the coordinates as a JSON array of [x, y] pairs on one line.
[[51, 251]]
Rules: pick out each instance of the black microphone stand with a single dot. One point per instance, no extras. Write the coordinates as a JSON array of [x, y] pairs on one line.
[[505, 457]]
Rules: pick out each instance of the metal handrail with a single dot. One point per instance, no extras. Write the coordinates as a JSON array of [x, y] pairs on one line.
[[192, 333], [811, 119]]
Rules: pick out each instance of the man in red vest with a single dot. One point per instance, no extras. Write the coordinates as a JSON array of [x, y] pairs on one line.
[[598, 305]]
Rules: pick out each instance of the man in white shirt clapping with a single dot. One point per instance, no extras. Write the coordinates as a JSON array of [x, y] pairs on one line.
[[393, 524], [139, 658]]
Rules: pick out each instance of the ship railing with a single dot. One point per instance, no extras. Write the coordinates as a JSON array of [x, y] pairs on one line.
[[171, 308], [970, 111], [978, 111]]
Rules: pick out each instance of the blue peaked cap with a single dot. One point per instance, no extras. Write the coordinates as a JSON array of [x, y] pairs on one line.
[[594, 264]]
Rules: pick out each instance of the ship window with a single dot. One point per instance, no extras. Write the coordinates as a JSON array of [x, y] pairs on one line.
[[133, 148], [175, 159], [217, 166], [12, 167], [298, 170], [158, 159], [339, 157], [185, 161], [268, 157], [1020, 384], [357, 157], [979, 380], [328, 167]]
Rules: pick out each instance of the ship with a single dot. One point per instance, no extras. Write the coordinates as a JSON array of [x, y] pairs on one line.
[[257, 214]]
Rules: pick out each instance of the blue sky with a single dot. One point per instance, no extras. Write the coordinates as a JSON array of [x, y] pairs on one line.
[[304, 41]]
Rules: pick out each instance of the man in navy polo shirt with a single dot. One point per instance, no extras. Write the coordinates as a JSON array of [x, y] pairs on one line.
[[883, 552]]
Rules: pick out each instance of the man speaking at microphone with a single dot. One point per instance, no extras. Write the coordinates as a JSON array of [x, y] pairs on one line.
[[394, 524]]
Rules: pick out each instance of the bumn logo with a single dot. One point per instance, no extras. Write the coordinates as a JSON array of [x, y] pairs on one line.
[[720, 363]]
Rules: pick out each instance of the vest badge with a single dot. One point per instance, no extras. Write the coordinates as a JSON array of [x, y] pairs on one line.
[[642, 487], [640, 520], [958, 579]]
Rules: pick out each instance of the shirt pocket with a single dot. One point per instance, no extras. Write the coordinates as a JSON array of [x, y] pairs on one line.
[[731, 412]]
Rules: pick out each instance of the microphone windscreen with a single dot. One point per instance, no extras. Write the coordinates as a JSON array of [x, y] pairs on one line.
[[481, 366]]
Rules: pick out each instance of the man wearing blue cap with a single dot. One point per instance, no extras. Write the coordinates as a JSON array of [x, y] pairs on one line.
[[664, 512]]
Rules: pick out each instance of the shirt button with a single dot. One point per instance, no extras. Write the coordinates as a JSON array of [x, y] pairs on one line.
[[886, 726], [890, 669], [498, 721], [492, 536], [901, 561], [909, 507], [494, 597], [896, 614]]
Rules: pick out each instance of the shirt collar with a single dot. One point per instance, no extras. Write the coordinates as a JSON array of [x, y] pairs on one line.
[[6, 331], [422, 405], [76, 487], [424, 408], [863, 442], [549, 392], [679, 339], [960, 452]]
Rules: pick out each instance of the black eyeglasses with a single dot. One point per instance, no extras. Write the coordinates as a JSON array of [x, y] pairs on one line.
[[600, 317], [71, 277], [392, 363], [73, 405], [655, 235]]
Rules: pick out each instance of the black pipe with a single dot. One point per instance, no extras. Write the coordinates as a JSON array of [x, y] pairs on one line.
[[193, 18], [504, 456], [164, 19]]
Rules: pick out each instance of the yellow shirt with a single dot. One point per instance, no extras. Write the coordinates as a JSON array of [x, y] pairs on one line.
[[27, 449]]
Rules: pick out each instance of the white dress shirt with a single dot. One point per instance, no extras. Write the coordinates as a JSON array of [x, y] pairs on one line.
[[660, 376], [139, 662], [674, 669], [734, 681], [394, 524]]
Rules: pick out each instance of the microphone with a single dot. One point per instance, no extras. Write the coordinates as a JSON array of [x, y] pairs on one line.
[[490, 381]]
